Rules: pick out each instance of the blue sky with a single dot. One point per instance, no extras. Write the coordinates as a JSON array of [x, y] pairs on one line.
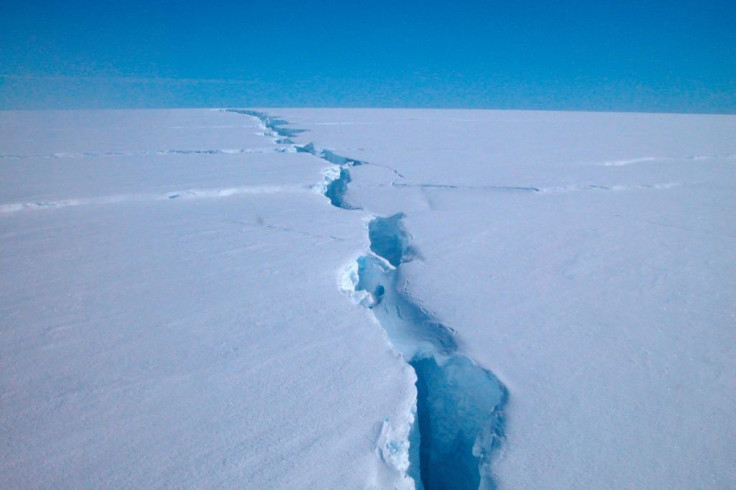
[[675, 56]]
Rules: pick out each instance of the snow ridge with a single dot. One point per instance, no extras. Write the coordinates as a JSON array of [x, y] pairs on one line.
[[457, 421], [168, 152], [499, 188], [209, 193]]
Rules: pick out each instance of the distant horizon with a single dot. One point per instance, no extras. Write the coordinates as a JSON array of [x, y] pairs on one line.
[[610, 56], [378, 108]]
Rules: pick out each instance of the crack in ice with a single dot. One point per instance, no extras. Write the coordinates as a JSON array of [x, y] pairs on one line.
[[457, 421], [459, 404], [272, 126]]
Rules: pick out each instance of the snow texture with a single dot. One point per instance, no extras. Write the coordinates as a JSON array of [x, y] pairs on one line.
[[540, 300]]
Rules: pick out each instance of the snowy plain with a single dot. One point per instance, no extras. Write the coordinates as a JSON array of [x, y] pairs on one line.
[[367, 299]]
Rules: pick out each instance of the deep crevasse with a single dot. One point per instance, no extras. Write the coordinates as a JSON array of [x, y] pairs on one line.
[[459, 404], [458, 417]]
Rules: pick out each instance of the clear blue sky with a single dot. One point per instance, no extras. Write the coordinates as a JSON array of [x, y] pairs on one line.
[[660, 55]]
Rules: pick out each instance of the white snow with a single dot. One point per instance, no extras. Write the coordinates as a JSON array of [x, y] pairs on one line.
[[182, 342], [176, 298]]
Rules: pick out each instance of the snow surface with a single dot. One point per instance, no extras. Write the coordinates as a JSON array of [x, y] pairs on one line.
[[176, 304]]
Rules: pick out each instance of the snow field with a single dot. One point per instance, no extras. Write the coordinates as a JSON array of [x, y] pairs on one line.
[[587, 260], [184, 342], [171, 315]]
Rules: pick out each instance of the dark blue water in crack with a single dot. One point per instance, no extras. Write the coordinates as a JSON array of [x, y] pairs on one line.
[[459, 404]]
